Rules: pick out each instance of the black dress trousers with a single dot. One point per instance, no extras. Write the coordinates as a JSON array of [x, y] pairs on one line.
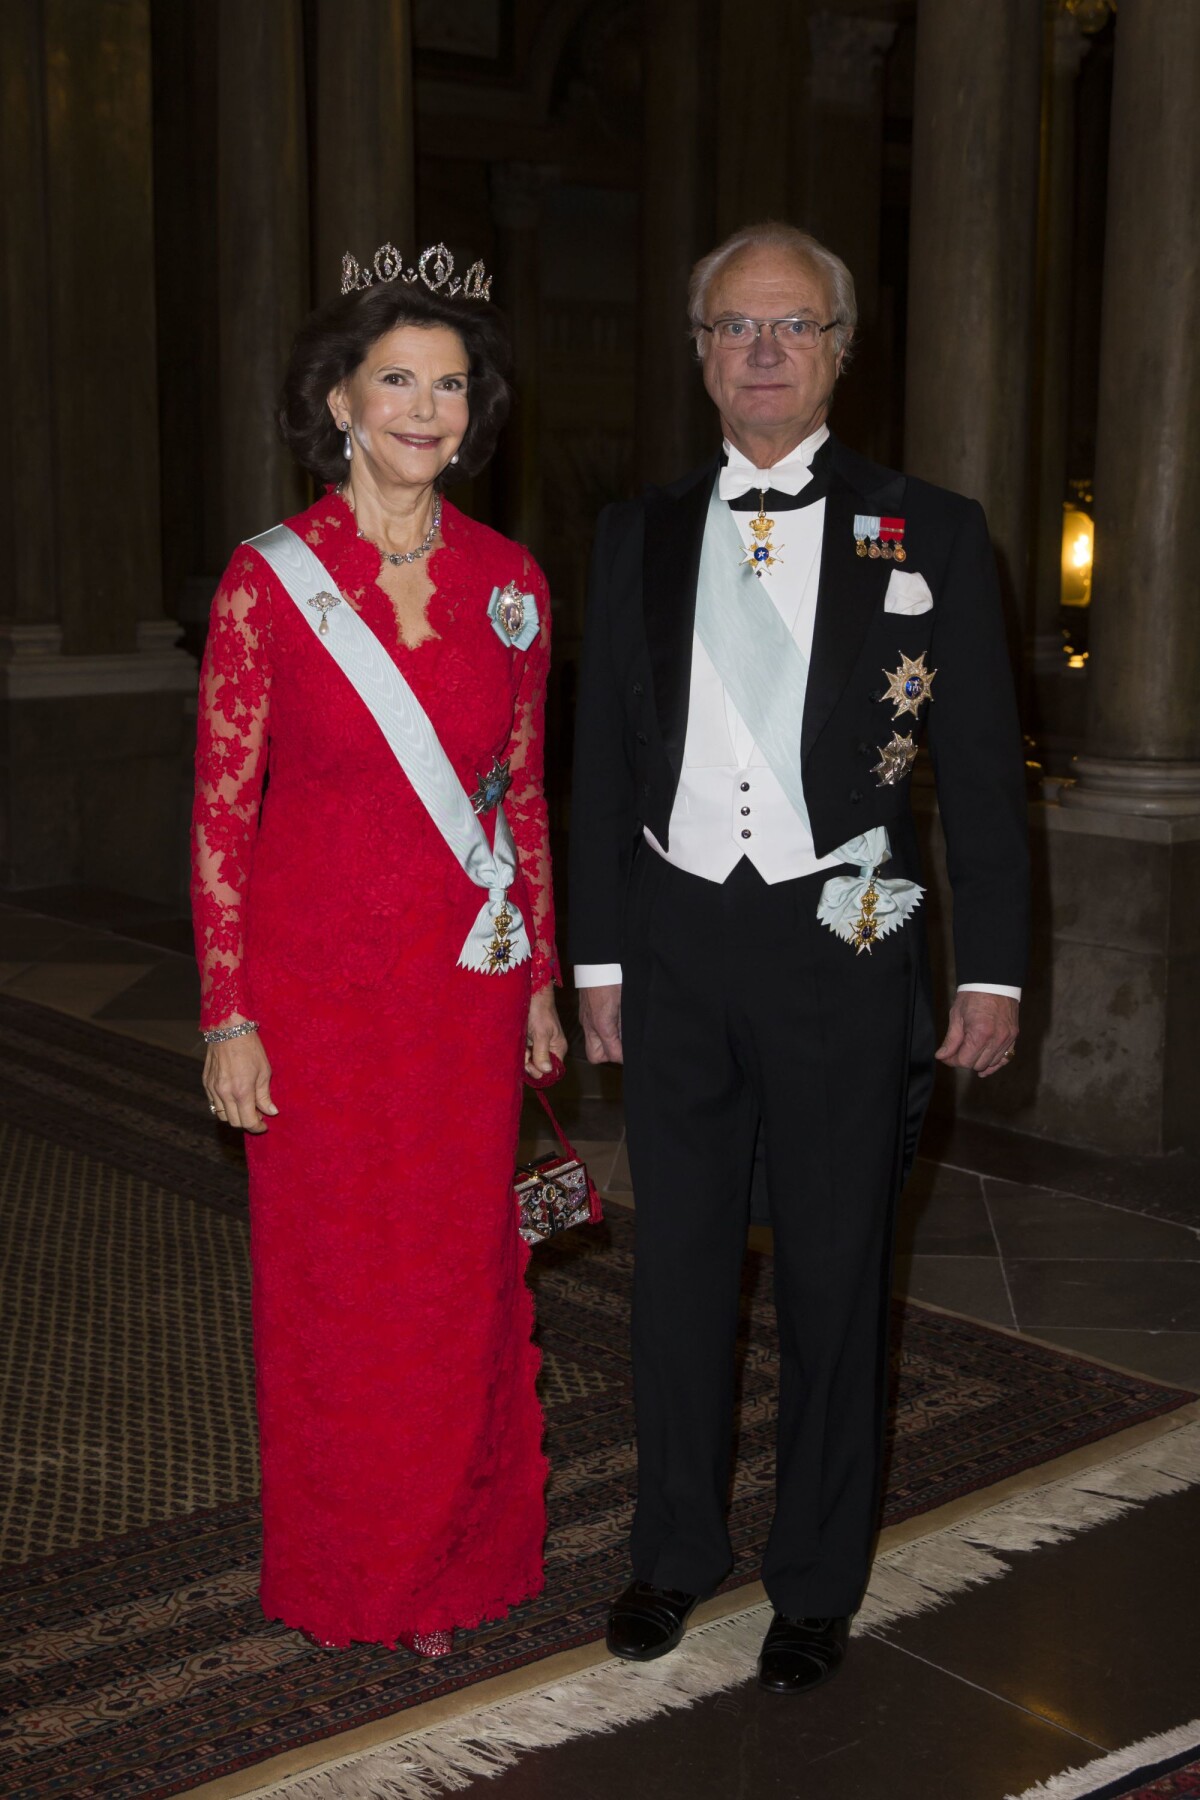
[[739, 1006]]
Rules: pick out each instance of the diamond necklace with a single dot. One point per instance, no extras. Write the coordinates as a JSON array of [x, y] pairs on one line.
[[399, 557]]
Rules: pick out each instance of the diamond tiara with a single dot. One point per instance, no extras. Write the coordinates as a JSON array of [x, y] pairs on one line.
[[434, 266]]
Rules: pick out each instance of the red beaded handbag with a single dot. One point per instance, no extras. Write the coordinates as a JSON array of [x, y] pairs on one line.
[[555, 1191]]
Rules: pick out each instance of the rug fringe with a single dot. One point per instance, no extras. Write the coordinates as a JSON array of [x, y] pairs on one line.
[[1073, 1784], [446, 1759], [916, 1578]]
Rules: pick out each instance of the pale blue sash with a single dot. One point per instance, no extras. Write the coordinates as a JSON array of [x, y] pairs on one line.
[[766, 673], [413, 742]]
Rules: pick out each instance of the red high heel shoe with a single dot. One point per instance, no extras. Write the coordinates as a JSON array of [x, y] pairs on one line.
[[427, 1643]]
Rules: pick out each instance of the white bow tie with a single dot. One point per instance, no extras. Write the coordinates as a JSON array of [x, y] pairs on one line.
[[739, 476]]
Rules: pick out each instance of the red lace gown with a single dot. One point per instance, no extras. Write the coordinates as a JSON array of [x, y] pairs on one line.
[[402, 1470]]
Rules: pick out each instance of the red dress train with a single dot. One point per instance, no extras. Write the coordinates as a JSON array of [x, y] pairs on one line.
[[402, 1470]]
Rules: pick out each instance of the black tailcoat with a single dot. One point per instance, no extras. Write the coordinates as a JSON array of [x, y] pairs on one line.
[[740, 1009], [632, 713]]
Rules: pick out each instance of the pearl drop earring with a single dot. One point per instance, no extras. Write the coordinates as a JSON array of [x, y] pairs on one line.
[[344, 428], [454, 458]]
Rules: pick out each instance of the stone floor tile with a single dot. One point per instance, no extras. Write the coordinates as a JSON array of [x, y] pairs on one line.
[[1172, 1356], [889, 1727], [583, 1116], [966, 1284], [944, 1224], [1097, 1295], [1037, 1223], [168, 990], [80, 989], [95, 906], [1100, 1634], [619, 1179], [27, 937], [930, 1179], [1167, 1186], [168, 1034], [81, 946]]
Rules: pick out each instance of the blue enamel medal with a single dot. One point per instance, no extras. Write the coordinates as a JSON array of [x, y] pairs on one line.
[[761, 554]]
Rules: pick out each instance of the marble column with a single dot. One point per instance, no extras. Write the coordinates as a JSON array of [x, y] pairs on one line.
[[843, 193], [262, 270], [93, 733], [517, 192], [103, 402], [1143, 737], [762, 57], [27, 489], [675, 427], [363, 173], [1111, 1015], [971, 261], [1065, 47]]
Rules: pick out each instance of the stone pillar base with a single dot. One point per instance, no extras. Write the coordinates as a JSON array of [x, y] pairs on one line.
[[1110, 1023], [1125, 785], [95, 765]]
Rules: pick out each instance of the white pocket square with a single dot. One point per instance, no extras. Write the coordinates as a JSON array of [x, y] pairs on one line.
[[907, 593]]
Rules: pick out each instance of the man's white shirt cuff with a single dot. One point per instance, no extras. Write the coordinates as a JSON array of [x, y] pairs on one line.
[[597, 975], [589, 975]]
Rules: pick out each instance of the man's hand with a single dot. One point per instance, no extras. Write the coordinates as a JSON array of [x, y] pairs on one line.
[[600, 1016], [982, 1032]]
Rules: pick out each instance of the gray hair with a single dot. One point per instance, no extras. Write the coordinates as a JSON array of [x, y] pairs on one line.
[[774, 234]]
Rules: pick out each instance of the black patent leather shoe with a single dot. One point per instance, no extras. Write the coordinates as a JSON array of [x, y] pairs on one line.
[[645, 1621], [799, 1654]]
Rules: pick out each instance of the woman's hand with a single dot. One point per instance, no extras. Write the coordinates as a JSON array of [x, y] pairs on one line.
[[237, 1080], [544, 1036]]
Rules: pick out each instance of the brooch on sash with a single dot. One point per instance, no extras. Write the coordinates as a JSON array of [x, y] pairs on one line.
[[323, 601], [875, 536], [514, 616], [761, 554], [909, 686], [895, 760], [493, 786]]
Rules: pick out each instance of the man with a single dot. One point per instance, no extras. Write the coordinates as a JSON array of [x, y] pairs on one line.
[[766, 640]]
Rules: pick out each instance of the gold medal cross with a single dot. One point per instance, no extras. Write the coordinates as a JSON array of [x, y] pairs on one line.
[[761, 554]]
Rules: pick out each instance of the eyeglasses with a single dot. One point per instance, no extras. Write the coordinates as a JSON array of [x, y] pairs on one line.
[[798, 334]]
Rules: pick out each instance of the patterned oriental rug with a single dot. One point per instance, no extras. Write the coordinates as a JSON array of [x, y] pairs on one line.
[[1166, 1767], [134, 1659]]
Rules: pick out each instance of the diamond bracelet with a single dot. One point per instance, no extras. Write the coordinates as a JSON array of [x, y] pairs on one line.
[[225, 1032]]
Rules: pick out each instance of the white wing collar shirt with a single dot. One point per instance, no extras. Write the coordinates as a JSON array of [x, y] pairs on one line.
[[728, 804]]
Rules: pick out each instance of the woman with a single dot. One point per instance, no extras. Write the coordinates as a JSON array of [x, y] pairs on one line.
[[380, 1081]]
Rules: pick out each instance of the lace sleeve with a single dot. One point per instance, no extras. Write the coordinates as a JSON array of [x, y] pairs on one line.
[[231, 758], [525, 805]]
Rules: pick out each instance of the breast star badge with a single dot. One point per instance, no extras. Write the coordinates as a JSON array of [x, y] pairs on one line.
[[895, 760], [492, 787], [911, 684]]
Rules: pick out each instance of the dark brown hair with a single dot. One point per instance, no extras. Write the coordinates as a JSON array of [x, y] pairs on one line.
[[336, 339]]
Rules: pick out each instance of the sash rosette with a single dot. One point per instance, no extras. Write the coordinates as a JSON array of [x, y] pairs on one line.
[[841, 904]]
